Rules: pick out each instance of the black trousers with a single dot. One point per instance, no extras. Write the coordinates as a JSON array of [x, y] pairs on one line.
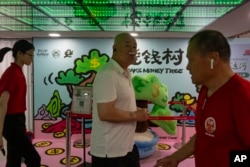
[[132, 159], [18, 144]]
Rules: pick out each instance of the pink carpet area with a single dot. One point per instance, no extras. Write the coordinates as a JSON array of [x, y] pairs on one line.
[[53, 151], [53, 154], [52, 148]]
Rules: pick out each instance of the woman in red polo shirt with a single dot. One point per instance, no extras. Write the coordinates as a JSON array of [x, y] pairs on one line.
[[13, 106]]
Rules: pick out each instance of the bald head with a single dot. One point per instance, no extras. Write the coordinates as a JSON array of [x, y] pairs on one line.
[[121, 39], [124, 49]]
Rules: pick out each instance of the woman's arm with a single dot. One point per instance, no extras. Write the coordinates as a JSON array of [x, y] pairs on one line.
[[4, 98]]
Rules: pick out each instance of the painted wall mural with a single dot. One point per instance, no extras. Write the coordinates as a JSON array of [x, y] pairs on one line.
[[61, 64]]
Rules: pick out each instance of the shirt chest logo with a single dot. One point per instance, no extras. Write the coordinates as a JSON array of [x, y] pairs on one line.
[[210, 126]]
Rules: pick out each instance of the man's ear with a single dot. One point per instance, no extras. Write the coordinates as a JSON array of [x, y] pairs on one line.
[[214, 58], [212, 63], [114, 48]]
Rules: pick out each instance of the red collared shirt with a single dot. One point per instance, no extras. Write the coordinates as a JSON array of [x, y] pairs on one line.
[[221, 122], [14, 82]]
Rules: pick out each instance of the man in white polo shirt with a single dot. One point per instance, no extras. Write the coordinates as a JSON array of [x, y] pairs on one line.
[[114, 109]]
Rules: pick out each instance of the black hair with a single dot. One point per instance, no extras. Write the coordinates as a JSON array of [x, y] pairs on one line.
[[208, 41], [21, 45]]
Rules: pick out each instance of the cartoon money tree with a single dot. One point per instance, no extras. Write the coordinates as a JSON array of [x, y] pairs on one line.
[[84, 71], [82, 74]]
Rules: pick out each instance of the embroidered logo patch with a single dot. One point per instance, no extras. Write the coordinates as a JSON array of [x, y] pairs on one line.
[[210, 126]]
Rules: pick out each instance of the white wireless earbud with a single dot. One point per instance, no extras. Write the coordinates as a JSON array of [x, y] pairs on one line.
[[212, 63]]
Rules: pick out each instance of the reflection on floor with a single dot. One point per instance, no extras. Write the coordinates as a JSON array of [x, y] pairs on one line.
[[53, 152]]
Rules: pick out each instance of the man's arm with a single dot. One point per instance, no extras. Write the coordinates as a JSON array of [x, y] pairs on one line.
[[174, 159], [108, 112], [186, 150]]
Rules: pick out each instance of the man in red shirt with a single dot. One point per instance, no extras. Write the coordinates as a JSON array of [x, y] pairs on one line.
[[222, 113], [13, 106]]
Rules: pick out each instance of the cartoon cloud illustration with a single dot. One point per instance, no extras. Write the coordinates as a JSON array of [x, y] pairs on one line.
[[149, 88]]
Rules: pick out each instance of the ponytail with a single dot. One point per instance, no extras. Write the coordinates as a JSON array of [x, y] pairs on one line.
[[3, 51], [21, 45]]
